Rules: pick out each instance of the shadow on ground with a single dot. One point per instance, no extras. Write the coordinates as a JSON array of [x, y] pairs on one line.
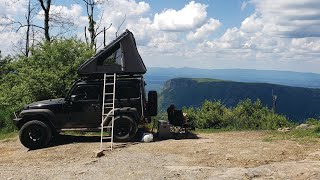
[[62, 139]]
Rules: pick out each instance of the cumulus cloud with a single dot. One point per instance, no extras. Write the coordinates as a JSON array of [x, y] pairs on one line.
[[190, 17], [71, 15], [9, 8], [114, 11], [205, 30], [9, 42], [130, 12], [9, 38], [129, 7], [277, 35], [252, 24], [244, 5], [290, 18]]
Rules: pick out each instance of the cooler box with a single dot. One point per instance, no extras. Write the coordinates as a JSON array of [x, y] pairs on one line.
[[164, 129]]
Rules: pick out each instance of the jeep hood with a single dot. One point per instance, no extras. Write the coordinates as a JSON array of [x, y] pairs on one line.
[[45, 103]]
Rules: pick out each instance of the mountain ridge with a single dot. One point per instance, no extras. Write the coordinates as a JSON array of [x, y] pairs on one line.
[[297, 103], [156, 77]]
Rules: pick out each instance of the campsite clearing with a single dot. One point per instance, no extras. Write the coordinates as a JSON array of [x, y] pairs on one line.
[[224, 155]]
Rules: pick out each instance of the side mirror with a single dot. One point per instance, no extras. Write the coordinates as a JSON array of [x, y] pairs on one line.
[[73, 98], [153, 103]]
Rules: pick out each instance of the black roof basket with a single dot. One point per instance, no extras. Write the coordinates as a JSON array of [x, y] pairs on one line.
[[121, 56]]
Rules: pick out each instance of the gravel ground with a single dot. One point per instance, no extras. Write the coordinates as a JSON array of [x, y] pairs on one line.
[[226, 155]]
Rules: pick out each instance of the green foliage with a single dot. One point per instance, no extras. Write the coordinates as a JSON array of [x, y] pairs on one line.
[[4, 61], [211, 115], [313, 121], [48, 73], [6, 121], [246, 115]]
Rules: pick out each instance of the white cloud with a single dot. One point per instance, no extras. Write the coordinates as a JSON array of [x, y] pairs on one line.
[[9, 8], [129, 11], [278, 35], [72, 15], [205, 30], [9, 38], [129, 7], [190, 17], [9, 42], [290, 18], [114, 11], [244, 5], [252, 24]]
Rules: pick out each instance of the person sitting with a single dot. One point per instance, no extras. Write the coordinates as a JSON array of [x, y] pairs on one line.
[[176, 117], [170, 111]]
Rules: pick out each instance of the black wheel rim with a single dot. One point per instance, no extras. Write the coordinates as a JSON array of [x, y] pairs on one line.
[[122, 128], [35, 133]]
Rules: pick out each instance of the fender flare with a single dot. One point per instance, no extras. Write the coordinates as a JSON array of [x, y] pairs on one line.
[[45, 115], [128, 111]]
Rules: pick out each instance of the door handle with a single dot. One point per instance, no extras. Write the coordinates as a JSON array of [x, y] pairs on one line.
[[96, 106]]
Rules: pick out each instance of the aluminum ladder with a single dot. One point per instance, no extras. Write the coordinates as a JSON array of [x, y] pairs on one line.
[[108, 107]]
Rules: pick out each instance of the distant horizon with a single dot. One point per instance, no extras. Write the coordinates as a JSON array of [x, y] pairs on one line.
[[290, 71]]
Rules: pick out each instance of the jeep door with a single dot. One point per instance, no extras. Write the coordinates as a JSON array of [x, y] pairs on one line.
[[85, 108]]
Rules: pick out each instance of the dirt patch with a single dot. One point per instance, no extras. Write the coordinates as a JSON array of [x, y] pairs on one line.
[[227, 155]]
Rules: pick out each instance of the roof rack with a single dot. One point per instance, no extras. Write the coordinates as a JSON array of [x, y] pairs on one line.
[[121, 56], [118, 76]]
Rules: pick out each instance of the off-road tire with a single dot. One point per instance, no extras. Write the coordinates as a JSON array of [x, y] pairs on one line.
[[125, 128], [35, 134]]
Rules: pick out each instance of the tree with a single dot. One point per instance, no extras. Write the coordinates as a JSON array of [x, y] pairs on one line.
[[46, 74], [50, 20], [92, 27], [4, 61], [45, 5], [18, 25]]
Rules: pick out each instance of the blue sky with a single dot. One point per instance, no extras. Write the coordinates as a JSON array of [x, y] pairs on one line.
[[211, 34]]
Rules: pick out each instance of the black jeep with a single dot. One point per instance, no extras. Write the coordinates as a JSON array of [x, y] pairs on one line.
[[81, 109]]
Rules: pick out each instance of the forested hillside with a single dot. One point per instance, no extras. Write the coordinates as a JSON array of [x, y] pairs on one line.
[[156, 77], [295, 103]]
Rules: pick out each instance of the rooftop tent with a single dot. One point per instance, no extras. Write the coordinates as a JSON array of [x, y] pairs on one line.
[[121, 56]]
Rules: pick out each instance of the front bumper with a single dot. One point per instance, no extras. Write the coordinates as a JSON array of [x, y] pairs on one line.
[[16, 121]]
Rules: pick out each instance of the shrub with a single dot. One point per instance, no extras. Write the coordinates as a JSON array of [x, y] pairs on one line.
[[246, 115]]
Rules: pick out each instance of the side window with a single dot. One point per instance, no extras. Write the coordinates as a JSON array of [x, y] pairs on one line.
[[124, 91], [85, 93], [115, 57]]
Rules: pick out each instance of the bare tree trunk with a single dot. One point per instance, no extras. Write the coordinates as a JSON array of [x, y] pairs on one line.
[[92, 27], [28, 29], [46, 10]]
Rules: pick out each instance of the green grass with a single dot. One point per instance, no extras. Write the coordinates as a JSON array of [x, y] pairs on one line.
[[208, 131], [6, 135], [300, 135]]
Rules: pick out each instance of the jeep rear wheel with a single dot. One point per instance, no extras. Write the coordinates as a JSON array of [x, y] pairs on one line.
[[35, 134], [124, 128]]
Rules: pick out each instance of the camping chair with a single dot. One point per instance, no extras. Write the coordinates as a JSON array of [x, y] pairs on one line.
[[179, 127]]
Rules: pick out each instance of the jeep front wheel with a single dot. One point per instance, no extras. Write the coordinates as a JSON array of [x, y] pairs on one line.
[[35, 134]]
